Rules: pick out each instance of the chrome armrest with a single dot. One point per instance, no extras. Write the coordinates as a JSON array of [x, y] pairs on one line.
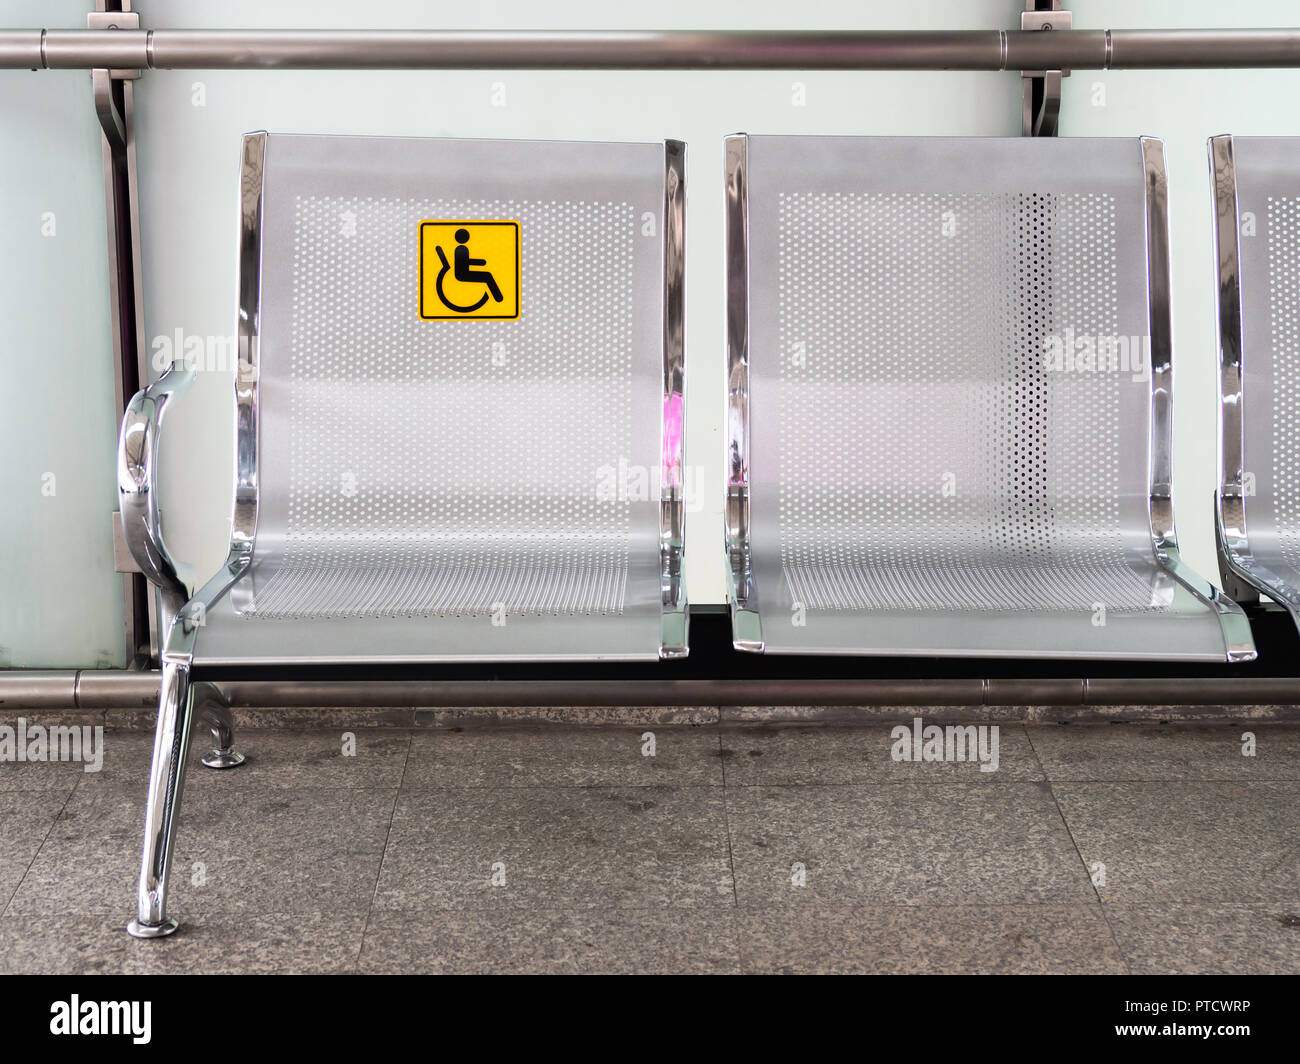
[[137, 485]]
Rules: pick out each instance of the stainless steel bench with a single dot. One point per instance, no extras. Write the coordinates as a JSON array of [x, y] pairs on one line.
[[1257, 240], [507, 488], [950, 402]]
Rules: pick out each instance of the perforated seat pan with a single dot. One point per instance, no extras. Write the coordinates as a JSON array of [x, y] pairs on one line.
[[455, 490], [1184, 631], [228, 639], [921, 479]]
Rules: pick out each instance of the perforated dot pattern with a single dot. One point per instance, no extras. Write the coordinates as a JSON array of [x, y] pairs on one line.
[[1284, 313], [451, 467], [930, 456]]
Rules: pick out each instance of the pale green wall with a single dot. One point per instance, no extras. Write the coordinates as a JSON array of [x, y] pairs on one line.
[[61, 604]]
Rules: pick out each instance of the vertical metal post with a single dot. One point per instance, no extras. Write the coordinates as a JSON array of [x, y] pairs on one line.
[[113, 93]]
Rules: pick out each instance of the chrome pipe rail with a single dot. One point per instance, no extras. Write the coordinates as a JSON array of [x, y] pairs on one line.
[[102, 689], [164, 49], [79, 689]]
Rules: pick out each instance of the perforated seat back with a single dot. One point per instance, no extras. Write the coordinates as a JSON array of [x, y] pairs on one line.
[[1257, 231], [465, 468], [949, 400]]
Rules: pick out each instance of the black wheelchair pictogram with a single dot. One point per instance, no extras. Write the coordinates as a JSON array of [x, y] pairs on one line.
[[464, 273]]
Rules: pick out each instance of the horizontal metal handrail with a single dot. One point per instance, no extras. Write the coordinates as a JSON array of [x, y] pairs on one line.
[[103, 689], [162, 49]]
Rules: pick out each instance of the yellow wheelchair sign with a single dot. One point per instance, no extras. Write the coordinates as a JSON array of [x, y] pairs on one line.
[[469, 269]]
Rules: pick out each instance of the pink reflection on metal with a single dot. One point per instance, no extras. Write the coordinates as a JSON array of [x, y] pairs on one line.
[[672, 440]]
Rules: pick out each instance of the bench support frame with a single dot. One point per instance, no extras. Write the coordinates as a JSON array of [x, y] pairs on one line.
[[179, 700]]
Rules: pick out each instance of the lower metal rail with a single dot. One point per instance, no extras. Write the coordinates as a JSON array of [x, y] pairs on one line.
[[99, 689]]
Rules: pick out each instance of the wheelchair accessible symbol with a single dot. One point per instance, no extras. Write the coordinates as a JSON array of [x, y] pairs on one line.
[[469, 269]]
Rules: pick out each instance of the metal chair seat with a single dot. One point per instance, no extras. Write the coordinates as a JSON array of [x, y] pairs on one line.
[[436, 602], [1257, 234], [445, 490], [506, 548], [414, 483], [950, 402]]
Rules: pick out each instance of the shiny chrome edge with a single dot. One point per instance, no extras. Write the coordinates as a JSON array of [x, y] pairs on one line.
[[1238, 642], [137, 485], [1230, 517], [243, 518], [184, 632], [243, 522], [1243, 576], [746, 623], [672, 483], [1240, 569]]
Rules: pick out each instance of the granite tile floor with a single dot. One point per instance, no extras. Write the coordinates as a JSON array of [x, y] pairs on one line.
[[713, 848]]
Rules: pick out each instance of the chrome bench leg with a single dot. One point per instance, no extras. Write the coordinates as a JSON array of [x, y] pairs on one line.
[[178, 703], [166, 780], [211, 708]]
